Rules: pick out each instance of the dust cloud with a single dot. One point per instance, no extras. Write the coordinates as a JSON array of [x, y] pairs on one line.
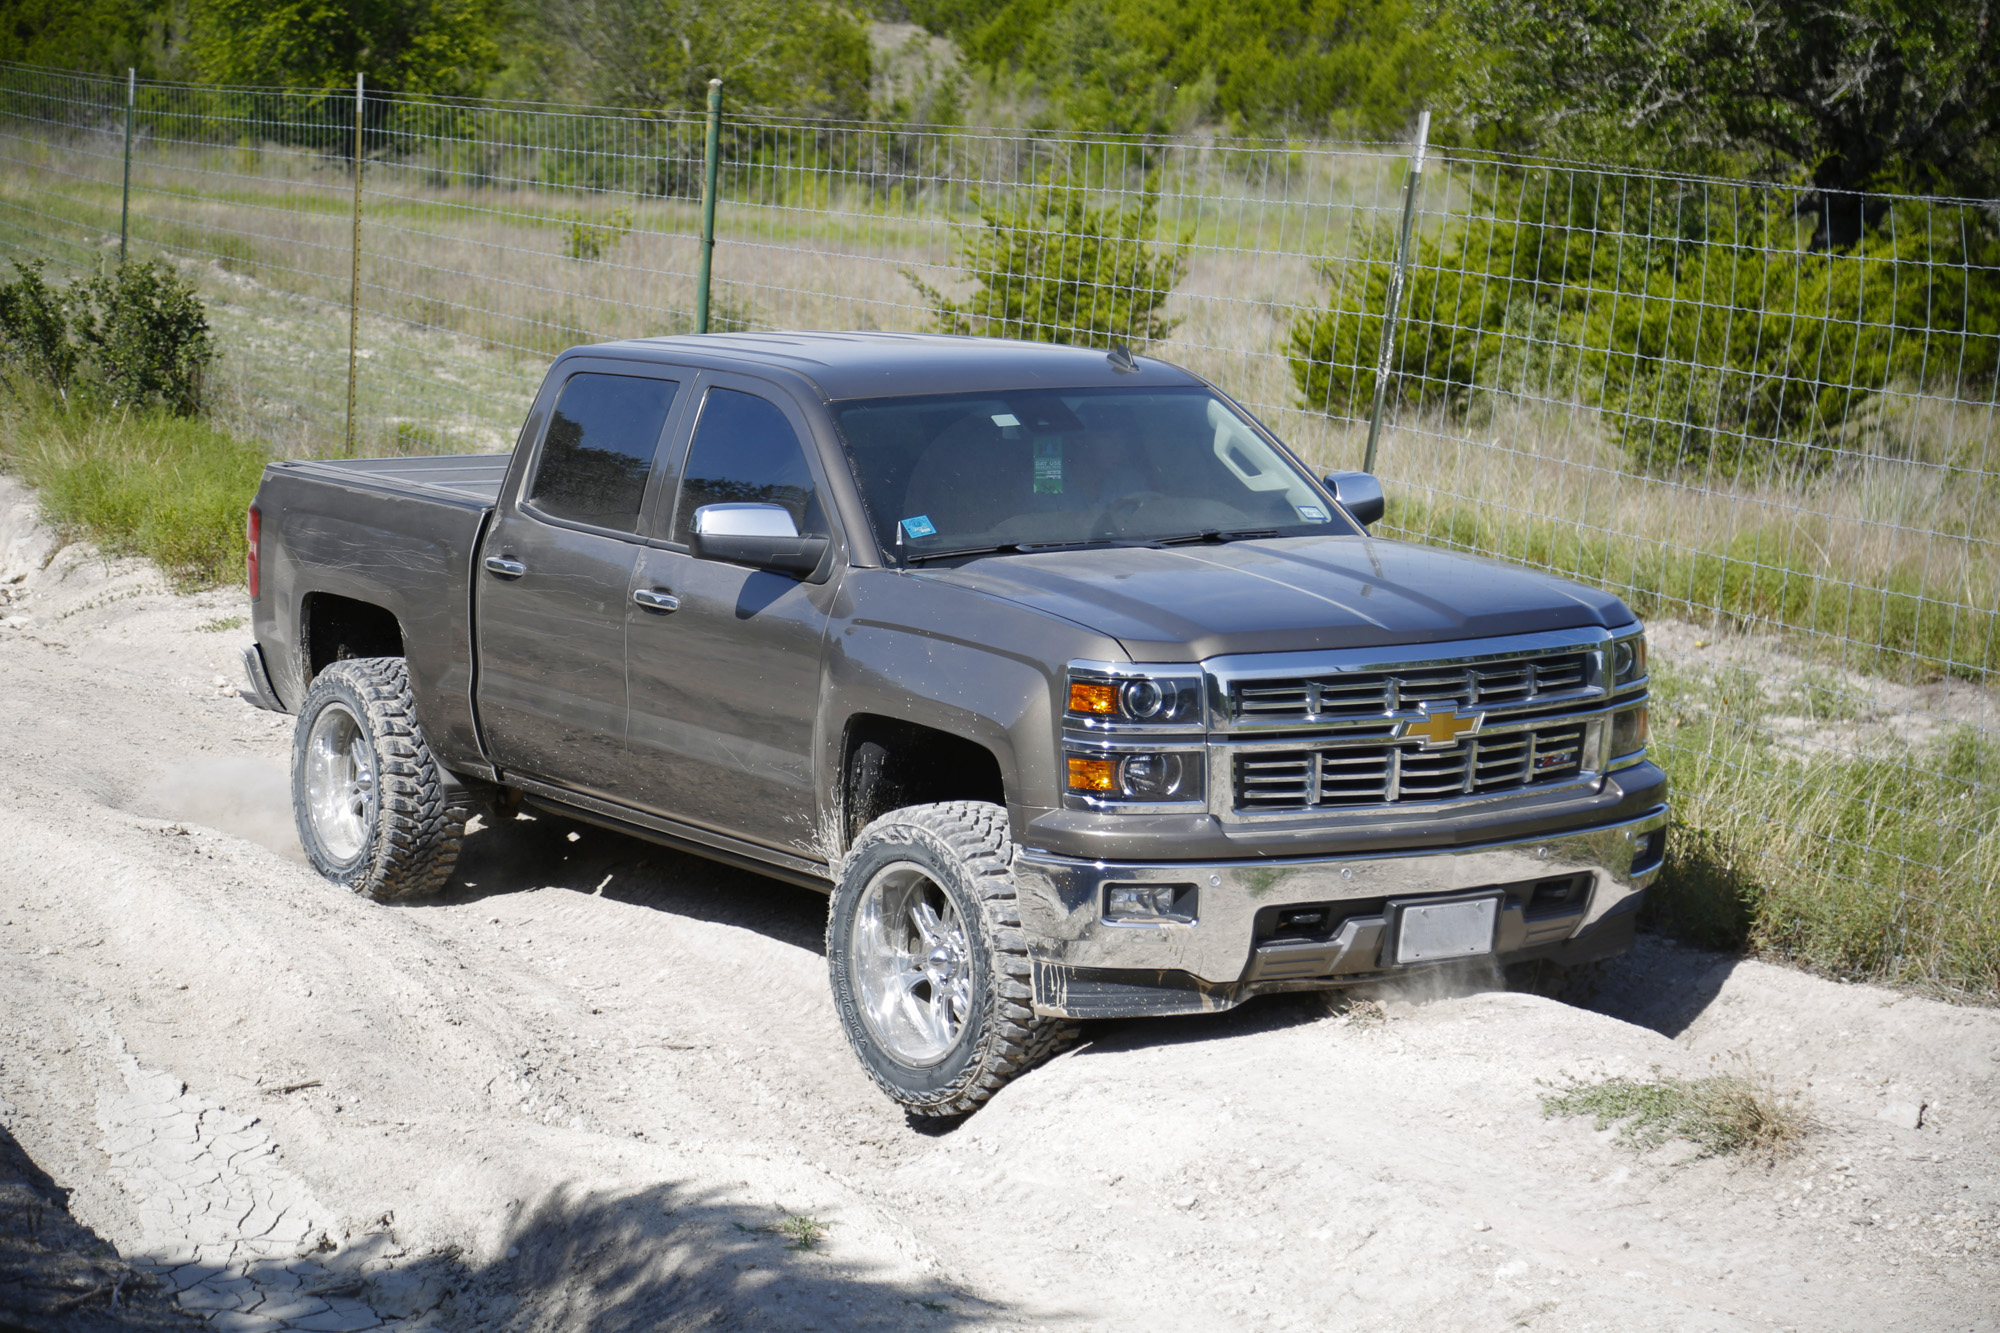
[[250, 798]]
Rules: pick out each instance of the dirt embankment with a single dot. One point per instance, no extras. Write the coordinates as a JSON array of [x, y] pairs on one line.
[[578, 1090]]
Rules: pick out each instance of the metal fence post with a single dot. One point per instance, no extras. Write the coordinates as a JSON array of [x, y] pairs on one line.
[[709, 153], [354, 287], [1392, 301], [125, 202]]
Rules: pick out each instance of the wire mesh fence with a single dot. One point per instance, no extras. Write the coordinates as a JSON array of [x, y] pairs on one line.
[[1762, 415]]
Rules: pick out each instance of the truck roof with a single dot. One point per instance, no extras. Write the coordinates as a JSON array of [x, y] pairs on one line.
[[885, 365]]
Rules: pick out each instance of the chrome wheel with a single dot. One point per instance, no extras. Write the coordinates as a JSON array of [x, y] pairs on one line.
[[914, 965], [340, 782]]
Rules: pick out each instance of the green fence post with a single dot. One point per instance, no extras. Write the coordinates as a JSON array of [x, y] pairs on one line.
[[1392, 301], [354, 283], [709, 153], [125, 203]]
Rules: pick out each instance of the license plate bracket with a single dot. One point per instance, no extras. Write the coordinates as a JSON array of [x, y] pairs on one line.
[[1430, 930]]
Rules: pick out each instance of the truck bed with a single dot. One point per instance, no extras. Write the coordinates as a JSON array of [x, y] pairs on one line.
[[395, 533], [471, 477]]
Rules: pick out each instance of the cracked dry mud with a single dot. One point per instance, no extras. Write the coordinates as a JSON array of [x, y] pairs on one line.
[[579, 1089]]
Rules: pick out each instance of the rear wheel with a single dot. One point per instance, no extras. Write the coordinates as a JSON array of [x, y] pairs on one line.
[[929, 966], [375, 811]]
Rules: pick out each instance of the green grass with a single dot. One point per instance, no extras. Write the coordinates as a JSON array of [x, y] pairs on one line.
[[168, 488], [1897, 619], [1721, 1114], [1873, 862]]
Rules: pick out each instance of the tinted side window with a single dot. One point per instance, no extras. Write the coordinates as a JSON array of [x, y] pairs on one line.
[[746, 452], [599, 449]]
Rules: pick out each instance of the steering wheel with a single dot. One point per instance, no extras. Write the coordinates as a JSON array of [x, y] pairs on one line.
[[1120, 513]]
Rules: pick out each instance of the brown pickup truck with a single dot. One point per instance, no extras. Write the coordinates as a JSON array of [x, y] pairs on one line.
[[1079, 694]]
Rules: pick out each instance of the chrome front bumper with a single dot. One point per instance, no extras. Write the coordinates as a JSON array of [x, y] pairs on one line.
[[1062, 904]]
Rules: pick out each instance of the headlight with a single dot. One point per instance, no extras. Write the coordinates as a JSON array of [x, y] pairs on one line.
[[1149, 700], [1628, 736], [1628, 660], [1137, 775]]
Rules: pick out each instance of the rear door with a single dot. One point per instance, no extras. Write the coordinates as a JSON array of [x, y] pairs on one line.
[[725, 686], [554, 575]]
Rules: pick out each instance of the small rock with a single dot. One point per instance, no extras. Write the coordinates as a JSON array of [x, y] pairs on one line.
[[1903, 1115], [1185, 1202], [1482, 1226]]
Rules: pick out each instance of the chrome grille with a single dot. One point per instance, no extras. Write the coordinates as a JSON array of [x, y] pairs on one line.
[[1363, 694], [1383, 774]]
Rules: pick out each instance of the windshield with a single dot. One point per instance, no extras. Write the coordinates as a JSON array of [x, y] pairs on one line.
[[978, 472]]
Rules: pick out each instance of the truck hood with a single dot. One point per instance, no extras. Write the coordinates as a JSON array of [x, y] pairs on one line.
[[1187, 603]]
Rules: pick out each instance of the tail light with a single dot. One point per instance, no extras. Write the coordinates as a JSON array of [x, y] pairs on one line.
[[253, 528]]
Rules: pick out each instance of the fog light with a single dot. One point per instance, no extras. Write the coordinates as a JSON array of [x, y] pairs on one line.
[[1628, 733], [1149, 902]]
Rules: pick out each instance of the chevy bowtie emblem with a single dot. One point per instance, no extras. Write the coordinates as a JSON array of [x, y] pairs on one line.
[[1438, 728]]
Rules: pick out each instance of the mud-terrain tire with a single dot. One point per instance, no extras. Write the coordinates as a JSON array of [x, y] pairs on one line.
[[375, 812], [928, 962]]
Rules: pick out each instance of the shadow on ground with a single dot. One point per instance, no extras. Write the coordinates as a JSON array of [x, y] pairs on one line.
[[537, 850], [665, 1257], [58, 1276], [1660, 985]]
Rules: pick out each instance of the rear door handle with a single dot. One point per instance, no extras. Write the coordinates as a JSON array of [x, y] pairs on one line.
[[505, 568], [656, 599]]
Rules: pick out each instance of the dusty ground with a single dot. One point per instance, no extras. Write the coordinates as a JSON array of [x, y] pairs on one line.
[[574, 1092]]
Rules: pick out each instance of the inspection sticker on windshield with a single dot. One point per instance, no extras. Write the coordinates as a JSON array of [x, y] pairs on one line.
[[1311, 513], [920, 526], [1048, 466], [1006, 419]]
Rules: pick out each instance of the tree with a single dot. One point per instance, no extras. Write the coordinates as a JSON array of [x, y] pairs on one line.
[[1139, 66], [91, 36], [1858, 94], [1052, 267], [803, 55], [406, 46]]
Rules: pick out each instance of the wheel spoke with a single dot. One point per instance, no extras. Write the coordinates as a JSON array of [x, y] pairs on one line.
[[925, 918]]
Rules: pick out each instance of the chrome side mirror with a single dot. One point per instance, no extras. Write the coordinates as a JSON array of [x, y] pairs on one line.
[[1359, 493], [762, 536]]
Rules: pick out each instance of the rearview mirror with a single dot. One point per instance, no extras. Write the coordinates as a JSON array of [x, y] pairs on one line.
[[760, 535], [1359, 493]]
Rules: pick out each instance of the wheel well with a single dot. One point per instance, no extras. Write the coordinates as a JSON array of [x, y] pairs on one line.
[[889, 764], [335, 628]]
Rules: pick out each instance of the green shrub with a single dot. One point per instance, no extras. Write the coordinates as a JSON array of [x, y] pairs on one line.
[[1709, 336], [1740, 351], [1053, 267], [1466, 284], [34, 330], [587, 237], [131, 337]]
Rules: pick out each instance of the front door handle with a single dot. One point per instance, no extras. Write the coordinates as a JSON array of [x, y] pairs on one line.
[[656, 599], [504, 567]]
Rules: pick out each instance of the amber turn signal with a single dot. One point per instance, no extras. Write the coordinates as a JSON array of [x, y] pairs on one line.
[[1092, 774], [1097, 698]]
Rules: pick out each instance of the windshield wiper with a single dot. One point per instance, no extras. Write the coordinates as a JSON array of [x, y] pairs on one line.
[[1217, 535], [1004, 548], [1023, 548]]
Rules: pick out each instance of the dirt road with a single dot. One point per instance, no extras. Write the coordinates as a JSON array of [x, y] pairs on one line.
[[580, 1089]]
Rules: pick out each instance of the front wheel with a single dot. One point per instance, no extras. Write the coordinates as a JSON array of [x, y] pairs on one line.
[[929, 966], [374, 809]]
